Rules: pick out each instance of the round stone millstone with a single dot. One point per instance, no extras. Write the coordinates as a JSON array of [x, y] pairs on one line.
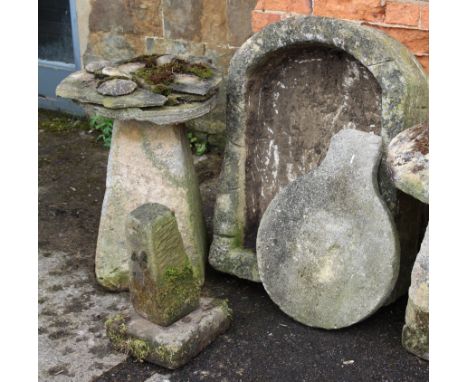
[[327, 250], [117, 87]]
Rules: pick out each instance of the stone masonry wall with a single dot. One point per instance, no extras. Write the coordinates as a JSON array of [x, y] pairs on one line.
[[405, 20]]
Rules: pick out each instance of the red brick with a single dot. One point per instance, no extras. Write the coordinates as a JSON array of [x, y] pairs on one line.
[[424, 61], [261, 19], [416, 40], [292, 6], [366, 10], [425, 16], [402, 13]]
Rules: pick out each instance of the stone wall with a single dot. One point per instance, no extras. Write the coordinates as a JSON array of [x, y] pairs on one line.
[[116, 29], [405, 20]]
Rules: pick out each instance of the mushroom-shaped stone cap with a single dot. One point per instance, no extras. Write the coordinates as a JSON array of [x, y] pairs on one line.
[[159, 89], [408, 160]]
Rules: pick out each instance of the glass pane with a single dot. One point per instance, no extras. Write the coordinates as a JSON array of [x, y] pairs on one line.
[[55, 31]]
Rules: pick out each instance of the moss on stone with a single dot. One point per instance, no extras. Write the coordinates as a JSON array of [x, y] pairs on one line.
[[178, 289], [116, 330], [200, 70], [138, 349], [161, 89], [116, 280], [157, 75]]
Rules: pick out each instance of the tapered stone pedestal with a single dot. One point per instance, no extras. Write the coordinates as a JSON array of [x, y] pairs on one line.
[[148, 163]]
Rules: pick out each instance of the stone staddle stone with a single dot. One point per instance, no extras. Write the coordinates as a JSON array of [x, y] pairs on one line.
[[327, 249], [148, 163], [162, 286], [415, 336], [175, 345]]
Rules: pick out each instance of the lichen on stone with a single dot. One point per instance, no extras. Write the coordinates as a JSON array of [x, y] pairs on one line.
[[116, 330], [178, 288]]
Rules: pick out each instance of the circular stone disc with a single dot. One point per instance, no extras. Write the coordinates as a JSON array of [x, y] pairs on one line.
[[326, 246], [117, 87]]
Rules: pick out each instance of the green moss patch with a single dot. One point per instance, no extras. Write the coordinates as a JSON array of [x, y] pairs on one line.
[[160, 77], [179, 293]]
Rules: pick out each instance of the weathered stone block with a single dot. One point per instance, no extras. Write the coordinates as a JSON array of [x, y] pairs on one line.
[[327, 249], [415, 337], [171, 346], [182, 19], [162, 286], [126, 16], [408, 160], [213, 22]]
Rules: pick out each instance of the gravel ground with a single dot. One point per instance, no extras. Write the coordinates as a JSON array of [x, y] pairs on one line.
[[263, 344]]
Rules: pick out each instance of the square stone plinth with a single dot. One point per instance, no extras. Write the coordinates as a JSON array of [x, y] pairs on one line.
[[171, 346]]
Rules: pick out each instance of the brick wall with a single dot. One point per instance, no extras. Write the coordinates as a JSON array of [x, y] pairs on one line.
[[404, 20]]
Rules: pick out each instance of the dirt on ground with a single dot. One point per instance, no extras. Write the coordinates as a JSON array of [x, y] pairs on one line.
[[263, 344]]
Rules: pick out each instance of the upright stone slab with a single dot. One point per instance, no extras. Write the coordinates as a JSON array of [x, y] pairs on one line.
[[148, 164], [162, 286], [327, 249], [290, 88], [169, 323], [415, 336]]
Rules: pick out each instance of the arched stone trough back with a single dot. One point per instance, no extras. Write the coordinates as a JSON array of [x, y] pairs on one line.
[[404, 96]]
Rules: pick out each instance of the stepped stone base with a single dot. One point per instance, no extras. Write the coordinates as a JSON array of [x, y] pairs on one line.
[[175, 345]]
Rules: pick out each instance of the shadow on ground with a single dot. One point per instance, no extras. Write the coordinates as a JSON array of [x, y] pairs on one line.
[[263, 344]]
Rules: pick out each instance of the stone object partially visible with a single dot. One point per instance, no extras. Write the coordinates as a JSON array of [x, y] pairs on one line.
[[162, 286], [173, 346], [328, 253], [415, 336], [191, 84], [115, 72], [143, 76], [408, 160], [139, 98], [148, 164], [95, 66], [131, 67], [166, 59], [117, 87]]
